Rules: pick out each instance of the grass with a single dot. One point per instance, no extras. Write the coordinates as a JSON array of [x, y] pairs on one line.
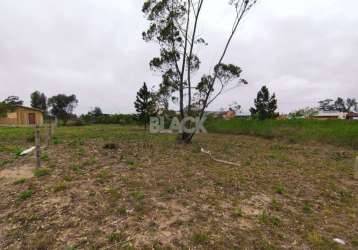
[[337, 132], [152, 192], [20, 181], [269, 219], [26, 194], [40, 172]]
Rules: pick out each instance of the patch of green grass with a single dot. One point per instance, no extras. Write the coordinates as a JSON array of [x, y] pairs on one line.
[[44, 156], [17, 152], [138, 195], [20, 181], [76, 168], [268, 219], [200, 239], [122, 211], [56, 140], [40, 172], [26, 194], [115, 237], [279, 189], [307, 209], [81, 151]]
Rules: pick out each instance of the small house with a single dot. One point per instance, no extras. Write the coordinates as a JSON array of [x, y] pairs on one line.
[[329, 115], [352, 116], [23, 116]]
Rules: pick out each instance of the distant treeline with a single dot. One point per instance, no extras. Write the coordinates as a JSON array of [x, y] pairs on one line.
[[123, 119]]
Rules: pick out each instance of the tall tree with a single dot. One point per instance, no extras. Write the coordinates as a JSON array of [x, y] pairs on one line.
[[97, 111], [62, 106], [39, 101], [145, 104], [265, 105], [173, 26], [13, 101]]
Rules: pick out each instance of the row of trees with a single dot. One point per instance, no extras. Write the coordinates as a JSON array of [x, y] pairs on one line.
[[340, 105], [147, 104]]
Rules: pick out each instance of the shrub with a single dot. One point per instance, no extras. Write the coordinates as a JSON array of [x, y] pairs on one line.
[[26, 194]]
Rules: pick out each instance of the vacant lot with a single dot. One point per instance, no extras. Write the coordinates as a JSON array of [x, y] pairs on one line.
[[113, 187]]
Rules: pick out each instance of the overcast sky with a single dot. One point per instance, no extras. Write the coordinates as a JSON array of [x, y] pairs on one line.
[[303, 50]]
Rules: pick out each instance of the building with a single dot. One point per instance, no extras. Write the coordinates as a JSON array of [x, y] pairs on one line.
[[352, 116], [23, 116], [329, 115]]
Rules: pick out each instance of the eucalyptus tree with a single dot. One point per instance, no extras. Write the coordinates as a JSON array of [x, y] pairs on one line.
[[173, 25]]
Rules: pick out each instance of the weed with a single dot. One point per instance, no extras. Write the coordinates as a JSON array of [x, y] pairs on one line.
[[40, 172], [268, 219], [138, 195], [115, 237], [17, 152], [56, 140], [20, 181], [44, 156], [122, 211], [307, 208], [81, 151], [26, 194], [280, 189]]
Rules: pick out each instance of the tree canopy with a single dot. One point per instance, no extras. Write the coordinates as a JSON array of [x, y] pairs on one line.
[[265, 105], [13, 101], [62, 106], [145, 104], [39, 100]]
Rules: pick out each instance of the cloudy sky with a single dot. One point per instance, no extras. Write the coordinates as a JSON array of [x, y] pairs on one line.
[[303, 50]]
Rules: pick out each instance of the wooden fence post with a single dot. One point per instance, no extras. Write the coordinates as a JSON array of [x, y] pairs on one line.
[[356, 169], [49, 134], [38, 146]]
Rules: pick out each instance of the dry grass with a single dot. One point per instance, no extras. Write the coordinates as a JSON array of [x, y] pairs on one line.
[[150, 192]]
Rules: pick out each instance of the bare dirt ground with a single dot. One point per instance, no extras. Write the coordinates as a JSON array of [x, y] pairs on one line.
[[149, 192]]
